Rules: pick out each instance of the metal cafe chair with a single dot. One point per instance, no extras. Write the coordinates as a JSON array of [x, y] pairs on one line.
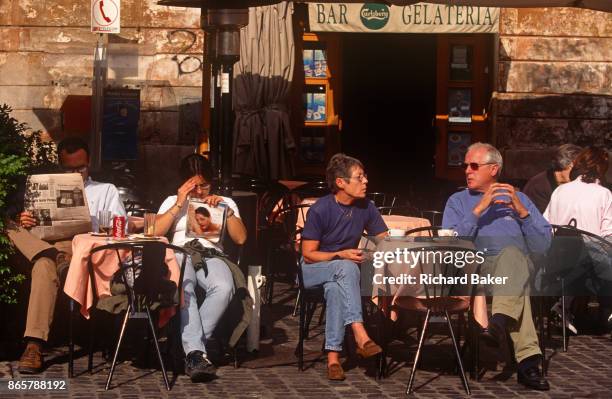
[[278, 234], [308, 298], [143, 272], [564, 255], [435, 217], [440, 300], [382, 199]]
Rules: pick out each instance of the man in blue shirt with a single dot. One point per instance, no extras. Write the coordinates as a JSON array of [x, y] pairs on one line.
[[331, 235], [506, 226]]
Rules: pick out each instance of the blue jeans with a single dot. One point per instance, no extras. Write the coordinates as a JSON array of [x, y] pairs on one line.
[[197, 325], [340, 281]]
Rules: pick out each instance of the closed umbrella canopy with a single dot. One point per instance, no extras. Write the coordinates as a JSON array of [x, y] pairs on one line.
[[601, 5]]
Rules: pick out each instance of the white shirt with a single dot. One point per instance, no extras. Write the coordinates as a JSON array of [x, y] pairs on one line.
[[102, 196], [589, 203], [179, 226]]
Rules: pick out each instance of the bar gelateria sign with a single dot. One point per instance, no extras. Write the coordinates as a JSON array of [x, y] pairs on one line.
[[415, 18]]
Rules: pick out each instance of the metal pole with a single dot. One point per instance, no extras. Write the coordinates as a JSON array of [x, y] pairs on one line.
[[97, 101], [226, 127]]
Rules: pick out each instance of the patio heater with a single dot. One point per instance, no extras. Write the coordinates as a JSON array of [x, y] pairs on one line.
[[222, 50]]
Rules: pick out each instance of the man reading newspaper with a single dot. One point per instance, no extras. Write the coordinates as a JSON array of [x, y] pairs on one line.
[[50, 258]]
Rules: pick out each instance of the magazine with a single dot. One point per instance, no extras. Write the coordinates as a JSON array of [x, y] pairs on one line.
[[59, 204], [206, 221]]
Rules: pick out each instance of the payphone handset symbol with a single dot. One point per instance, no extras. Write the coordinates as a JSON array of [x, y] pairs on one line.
[[107, 19]]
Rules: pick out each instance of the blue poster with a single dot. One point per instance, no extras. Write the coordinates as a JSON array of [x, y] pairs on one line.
[[120, 115]]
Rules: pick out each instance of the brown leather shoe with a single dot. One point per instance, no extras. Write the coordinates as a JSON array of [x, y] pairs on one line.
[[369, 349], [31, 361], [335, 372]]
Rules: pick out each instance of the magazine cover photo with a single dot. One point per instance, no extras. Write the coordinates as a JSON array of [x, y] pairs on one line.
[[205, 221]]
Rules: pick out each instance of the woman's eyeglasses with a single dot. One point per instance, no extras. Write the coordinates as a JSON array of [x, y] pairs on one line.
[[475, 165], [360, 178], [203, 187]]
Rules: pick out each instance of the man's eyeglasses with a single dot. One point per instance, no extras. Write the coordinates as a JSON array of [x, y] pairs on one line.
[[360, 178], [475, 165], [203, 187], [81, 169]]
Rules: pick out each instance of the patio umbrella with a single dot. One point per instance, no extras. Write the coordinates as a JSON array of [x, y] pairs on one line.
[[263, 145]]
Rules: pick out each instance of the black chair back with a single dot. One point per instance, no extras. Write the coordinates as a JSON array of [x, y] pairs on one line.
[[317, 189], [285, 220], [432, 231], [276, 195], [438, 267], [143, 268], [382, 199], [434, 217], [296, 253], [568, 249]]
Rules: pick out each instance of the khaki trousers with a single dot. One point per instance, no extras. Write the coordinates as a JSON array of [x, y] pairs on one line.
[[512, 299], [45, 280]]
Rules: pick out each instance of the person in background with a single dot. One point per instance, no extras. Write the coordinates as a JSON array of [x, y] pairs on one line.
[[198, 325], [540, 187], [587, 200], [330, 256], [50, 259], [506, 226]]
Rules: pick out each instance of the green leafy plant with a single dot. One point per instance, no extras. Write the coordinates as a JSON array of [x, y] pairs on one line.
[[21, 152]]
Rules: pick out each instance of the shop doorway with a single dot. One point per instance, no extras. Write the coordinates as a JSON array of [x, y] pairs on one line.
[[389, 106]]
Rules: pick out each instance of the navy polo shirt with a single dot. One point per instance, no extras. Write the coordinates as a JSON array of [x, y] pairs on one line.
[[338, 227]]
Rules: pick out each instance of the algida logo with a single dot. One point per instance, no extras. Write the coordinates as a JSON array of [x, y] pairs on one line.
[[374, 16]]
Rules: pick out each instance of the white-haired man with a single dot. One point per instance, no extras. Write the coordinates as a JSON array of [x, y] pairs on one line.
[[505, 225]]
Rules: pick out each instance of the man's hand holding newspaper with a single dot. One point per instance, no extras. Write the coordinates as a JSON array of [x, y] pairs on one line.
[[55, 206]]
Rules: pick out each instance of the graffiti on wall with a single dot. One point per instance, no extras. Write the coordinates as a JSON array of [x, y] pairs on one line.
[[185, 42]]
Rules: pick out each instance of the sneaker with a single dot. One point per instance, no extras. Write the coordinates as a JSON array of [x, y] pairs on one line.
[[31, 362], [569, 318], [199, 368]]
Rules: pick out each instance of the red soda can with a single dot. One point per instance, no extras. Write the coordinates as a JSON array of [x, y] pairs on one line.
[[119, 227]]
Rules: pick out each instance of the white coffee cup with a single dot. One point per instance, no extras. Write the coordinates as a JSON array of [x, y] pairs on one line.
[[447, 233], [397, 232]]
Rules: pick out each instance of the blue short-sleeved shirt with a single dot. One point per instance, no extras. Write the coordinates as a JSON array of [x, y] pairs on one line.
[[338, 227]]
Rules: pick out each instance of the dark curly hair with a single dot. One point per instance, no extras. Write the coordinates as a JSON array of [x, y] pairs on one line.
[[340, 165], [193, 165], [203, 211], [592, 164]]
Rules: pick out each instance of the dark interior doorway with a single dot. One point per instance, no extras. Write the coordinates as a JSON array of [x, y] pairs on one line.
[[389, 93]]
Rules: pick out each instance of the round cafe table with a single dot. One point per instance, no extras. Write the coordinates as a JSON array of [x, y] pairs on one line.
[[400, 291], [105, 263]]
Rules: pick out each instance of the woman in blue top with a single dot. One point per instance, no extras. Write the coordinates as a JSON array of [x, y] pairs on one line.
[[329, 246]]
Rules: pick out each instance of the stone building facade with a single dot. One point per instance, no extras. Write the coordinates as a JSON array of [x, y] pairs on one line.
[[46, 67], [554, 75], [554, 84]]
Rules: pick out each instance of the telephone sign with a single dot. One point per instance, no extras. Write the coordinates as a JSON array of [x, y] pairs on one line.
[[105, 16]]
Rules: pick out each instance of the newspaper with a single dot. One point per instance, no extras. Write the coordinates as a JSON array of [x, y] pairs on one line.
[[59, 204], [205, 221]]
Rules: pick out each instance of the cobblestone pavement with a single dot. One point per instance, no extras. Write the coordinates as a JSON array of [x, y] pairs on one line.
[[583, 372]]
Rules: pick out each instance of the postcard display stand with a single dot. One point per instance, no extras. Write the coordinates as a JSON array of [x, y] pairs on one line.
[[320, 122]]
